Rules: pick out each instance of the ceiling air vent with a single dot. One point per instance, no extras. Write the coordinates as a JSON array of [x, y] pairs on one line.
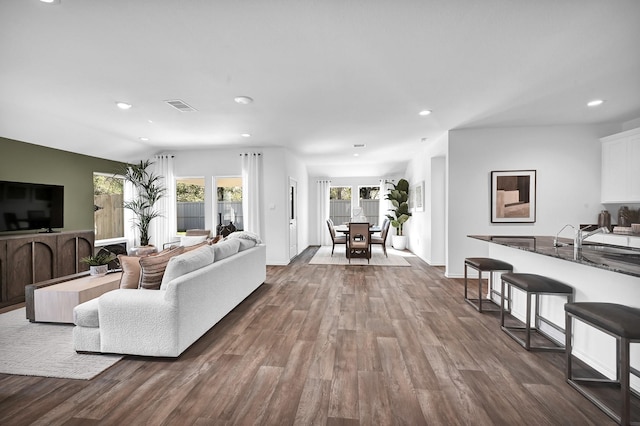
[[359, 145], [181, 105]]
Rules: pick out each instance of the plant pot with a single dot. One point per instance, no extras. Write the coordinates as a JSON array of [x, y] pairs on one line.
[[142, 250], [98, 270], [399, 242]]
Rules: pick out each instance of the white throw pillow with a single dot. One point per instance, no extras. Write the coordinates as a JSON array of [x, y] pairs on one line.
[[244, 235], [185, 263], [246, 244], [192, 240], [224, 249]]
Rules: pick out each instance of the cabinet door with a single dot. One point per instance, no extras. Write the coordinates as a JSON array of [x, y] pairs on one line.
[[614, 171], [633, 167], [71, 247], [29, 260]]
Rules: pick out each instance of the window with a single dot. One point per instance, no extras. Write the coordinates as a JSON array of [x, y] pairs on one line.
[[340, 204], [190, 203], [108, 214], [370, 202], [229, 201]]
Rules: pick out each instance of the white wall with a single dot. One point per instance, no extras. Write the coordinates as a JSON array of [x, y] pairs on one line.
[[567, 161], [426, 229]]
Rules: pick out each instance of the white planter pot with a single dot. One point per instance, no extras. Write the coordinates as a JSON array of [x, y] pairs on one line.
[[399, 242], [98, 270]]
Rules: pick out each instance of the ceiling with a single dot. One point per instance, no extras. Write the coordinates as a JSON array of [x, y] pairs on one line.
[[324, 75]]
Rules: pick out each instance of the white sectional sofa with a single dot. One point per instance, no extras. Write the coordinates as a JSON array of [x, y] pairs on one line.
[[198, 289]]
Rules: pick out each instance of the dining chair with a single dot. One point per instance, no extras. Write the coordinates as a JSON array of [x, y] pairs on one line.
[[382, 239], [335, 239], [358, 244]]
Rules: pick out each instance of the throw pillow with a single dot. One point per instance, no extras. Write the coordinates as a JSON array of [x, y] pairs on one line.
[[185, 263], [130, 271], [192, 240], [153, 268], [245, 235], [225, 249], [246, 244]]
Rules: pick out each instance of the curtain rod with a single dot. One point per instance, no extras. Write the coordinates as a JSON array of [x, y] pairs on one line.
[[250, 153]]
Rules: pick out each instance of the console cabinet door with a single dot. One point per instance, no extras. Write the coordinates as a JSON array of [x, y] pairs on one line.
[[71, 247], [29, 260]]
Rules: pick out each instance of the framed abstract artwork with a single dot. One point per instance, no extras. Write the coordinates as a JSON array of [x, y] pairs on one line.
[[513, 196]]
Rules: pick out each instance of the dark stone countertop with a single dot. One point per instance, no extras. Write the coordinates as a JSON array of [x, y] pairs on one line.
[[623, 260]]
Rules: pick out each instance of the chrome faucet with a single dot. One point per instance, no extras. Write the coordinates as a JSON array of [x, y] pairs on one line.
[[555, 240], [581, 235]]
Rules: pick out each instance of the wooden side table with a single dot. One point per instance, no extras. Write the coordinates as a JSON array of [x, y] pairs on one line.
[[55, 303]]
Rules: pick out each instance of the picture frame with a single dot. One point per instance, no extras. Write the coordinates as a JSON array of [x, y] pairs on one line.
[[513, 196], [417, 196]]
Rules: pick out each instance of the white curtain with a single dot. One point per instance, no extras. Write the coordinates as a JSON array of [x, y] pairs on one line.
[[164, 228], [323, 212], [384, 204], [251, 198]]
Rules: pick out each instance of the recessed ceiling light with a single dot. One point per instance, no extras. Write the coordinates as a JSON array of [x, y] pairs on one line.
[[50, 1], [143, 139], [245, 135], [123, 105], [244, 100], [425, 112], [356, 155], [595, 103], [150, 121]]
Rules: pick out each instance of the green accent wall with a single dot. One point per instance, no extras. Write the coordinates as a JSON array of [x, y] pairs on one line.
[[25, 162]]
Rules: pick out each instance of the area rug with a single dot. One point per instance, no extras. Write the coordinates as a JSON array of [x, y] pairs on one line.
[[396, 257], [42, 349]]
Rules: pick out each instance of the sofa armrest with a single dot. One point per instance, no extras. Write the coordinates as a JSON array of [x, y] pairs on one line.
[[138, 322]]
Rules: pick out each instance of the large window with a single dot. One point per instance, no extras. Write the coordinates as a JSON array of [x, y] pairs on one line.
[[229, 201], [369, 199], [340, 204], [107, 206], [190, 203]]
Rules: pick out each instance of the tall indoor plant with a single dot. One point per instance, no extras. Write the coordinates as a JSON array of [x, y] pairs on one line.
[[399, 197], [148, 189]]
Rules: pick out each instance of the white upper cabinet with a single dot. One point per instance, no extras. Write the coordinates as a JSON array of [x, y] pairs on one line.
[[621, 167]]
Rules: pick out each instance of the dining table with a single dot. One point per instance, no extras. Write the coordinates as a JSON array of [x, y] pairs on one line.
[[345, 230]]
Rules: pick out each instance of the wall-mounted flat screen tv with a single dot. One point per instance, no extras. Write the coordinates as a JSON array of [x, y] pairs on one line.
[[31, 206]]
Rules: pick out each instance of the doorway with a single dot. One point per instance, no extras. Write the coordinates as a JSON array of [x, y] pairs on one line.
[[293, 218]]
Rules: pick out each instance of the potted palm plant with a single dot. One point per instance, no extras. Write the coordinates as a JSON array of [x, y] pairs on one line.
[[148, 190], [98, 263], [399, 197]]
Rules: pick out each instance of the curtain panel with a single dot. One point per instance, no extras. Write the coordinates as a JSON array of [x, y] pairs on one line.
[[164, 228], [251, 195], [323, 212]]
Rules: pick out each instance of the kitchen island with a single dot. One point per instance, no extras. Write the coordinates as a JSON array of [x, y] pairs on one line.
[[597, 272]]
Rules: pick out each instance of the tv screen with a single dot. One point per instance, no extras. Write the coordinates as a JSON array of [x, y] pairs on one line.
[[30, 206]]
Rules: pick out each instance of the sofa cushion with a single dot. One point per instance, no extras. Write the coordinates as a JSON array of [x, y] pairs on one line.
[[244, 235], [153, 268], [86, 314], [185, 263], [130, 271], [224, 249], [246, 244], [192, 240]]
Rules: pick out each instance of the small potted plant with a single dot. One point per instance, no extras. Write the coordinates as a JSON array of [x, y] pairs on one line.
[[98, 263], [399, 197]]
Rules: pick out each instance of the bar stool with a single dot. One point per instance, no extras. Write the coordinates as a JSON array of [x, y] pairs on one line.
[[533, 285], [483, 264], [623, 323]]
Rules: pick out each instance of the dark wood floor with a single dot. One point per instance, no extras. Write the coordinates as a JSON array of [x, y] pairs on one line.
[[335, 345]]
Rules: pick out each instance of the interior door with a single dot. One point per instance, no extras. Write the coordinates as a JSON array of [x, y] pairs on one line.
[[293, 218]]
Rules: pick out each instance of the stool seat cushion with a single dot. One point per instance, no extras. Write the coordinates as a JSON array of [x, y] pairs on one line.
[[488, 264], [533, 283], [621, 320]]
